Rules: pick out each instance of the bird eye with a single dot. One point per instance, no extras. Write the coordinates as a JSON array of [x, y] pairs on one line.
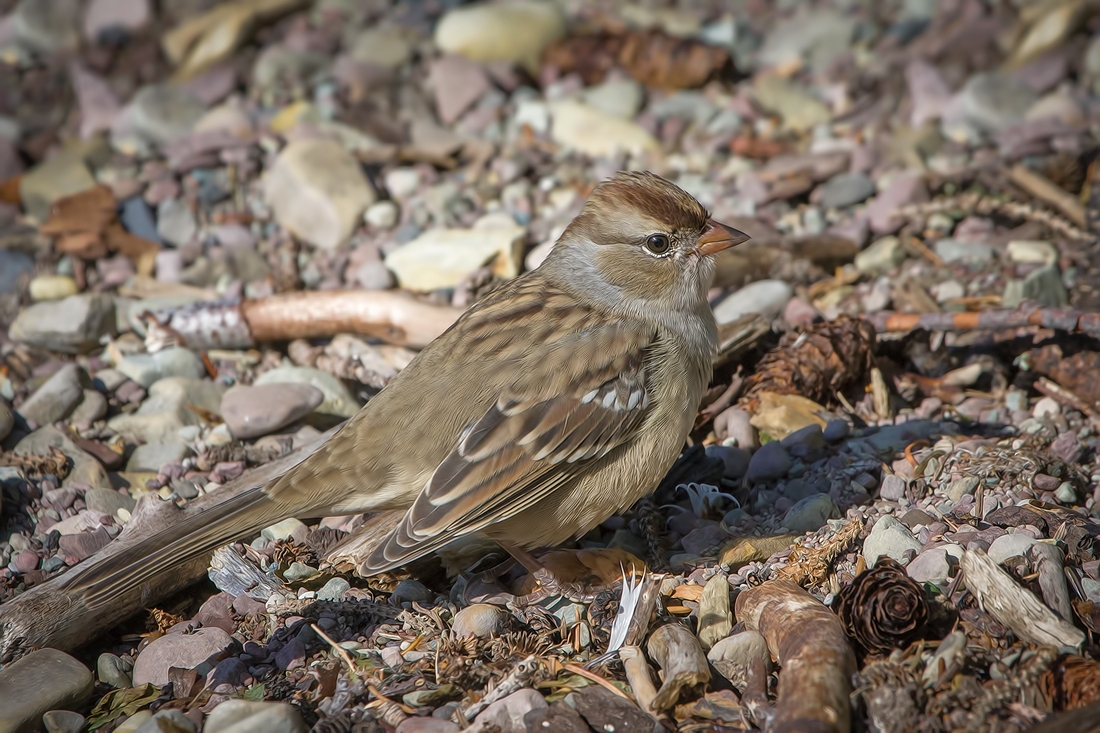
[[658, 244]]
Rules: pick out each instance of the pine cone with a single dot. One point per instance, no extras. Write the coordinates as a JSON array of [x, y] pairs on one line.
[[883, 608], [813, 363], [1072, 682]]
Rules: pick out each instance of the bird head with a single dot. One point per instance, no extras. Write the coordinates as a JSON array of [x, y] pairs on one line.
[[643, 239]]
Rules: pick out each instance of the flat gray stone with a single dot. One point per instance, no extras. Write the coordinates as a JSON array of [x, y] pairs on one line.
[[250, 412], [246, 716], [42, 681], [85, 470], [338, 399], [891, 538], [145, 369], [160, 417], [108, 501], [57, 397], [73, 325], [155, 456]]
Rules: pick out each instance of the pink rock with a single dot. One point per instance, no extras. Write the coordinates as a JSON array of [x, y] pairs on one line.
[[200, 650], [906, 188], [427, 725], [928, 92], [103, 15], [76, 547], [96, 100], [258, 410], [800, 313], [457, 83], [25, 561]]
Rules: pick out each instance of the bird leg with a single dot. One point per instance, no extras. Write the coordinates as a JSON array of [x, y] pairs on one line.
[[549, 584]]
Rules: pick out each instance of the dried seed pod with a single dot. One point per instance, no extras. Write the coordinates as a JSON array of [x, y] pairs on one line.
[[813, 363], [883, 608]]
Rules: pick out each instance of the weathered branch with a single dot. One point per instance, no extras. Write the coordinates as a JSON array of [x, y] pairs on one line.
[[816, 661], [388, 315], [678, 653], [1014, 606], [50, 616]]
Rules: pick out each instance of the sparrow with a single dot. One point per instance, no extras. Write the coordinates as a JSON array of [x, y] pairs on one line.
[[555, 402]]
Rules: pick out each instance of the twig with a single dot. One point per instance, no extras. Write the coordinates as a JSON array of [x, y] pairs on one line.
[[677, 651], [593, 677], [1046, 190], [336, 648], [1059, 319]]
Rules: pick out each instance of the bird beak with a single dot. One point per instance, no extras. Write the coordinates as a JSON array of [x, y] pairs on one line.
[[718, 237]]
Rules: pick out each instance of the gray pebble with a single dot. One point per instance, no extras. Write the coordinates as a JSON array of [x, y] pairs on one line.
[[769, 463], [481, 620], [893, 487], [811, 514], [333, 590], [891, 538], [836, 430], [411, 590]]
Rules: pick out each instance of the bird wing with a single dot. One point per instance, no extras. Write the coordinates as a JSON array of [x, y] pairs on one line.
[[536, 437]]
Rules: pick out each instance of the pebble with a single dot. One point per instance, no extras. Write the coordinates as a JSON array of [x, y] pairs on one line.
[[411, 590], [382, 215], [481, 620], [71, 325], [1065, 493], [13, 264], [93, 406], [932, 565], [1009, 545], [1045, 286], [165, 411], [735, 460], [146, 369], [47, 26], [246, 716], [104, 16], [134, 722], [811, 514], [63, 721], [891, 538], [85, 470], [44, 680], [458, 84], [905, 188], [176, 223], [338, 400], [845, 189], [507, 714], [108, 501], [621, 98], [442, 258], [200, 650], [994, 101], [893, 487], [734, 655], [168, 721], [882, 256], [770, 462], [799, 110], [1032, 252], [163, 113], [593, 132], [250, 412], [968, 252], [284, 529], [1046, 407], [57, 397], [766, 297], [317, 190], [51, 287], [836, 430], [113, 671], [62, 175], [420, 724], [516, 31], [153, 457], [386, 47], [333, 590]]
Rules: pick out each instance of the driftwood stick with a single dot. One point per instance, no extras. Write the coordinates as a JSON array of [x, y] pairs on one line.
[[1014, 606], [50, 616], [681, 659], [1059, 319], [638, 677], [392, 316], [816, 661]]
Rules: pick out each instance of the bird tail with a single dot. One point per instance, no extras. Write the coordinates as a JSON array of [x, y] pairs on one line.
[[201, 534]]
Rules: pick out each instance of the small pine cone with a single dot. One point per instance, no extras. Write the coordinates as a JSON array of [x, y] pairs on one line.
[[883, 609], [814, 362], [1072, 682]]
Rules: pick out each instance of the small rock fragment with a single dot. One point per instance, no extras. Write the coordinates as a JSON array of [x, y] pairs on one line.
[[246, 716], [44, 680], [250, 412], [200, 650]]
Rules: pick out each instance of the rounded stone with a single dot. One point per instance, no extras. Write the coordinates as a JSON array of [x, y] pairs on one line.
[[51, 287], [202, 648], [769, 463], [250, 412], [481, 620]]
